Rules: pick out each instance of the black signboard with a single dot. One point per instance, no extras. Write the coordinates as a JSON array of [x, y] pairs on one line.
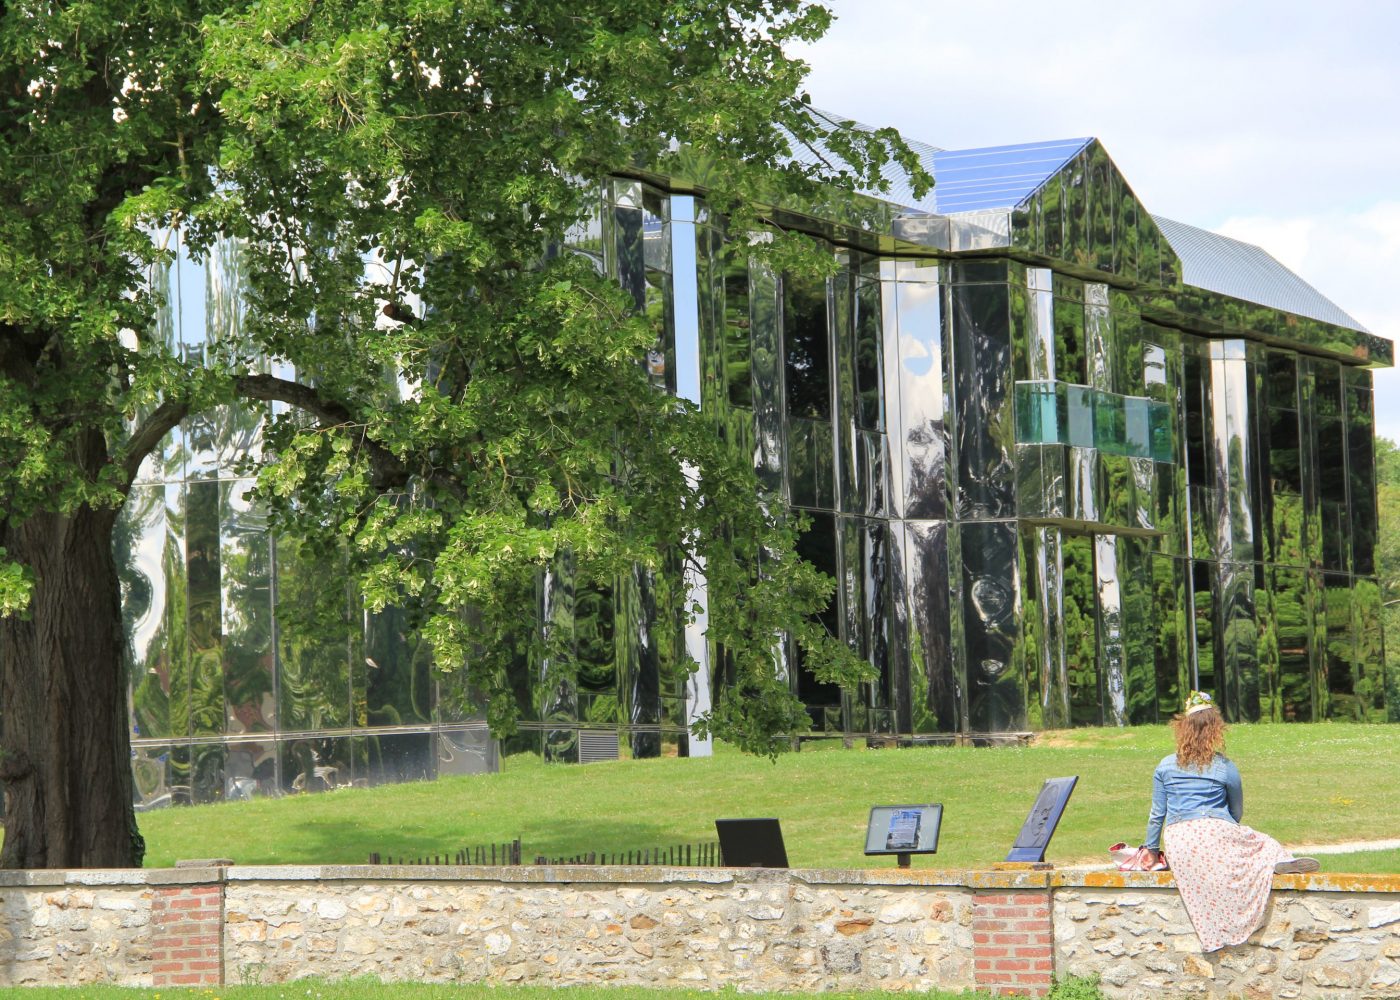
[[1045, 816], [751, 843]]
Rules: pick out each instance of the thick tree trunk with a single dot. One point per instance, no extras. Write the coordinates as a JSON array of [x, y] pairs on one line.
[[65, 753]]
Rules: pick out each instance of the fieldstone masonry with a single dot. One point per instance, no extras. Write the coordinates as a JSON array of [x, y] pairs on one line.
[[1335, 936], [1325, 936]]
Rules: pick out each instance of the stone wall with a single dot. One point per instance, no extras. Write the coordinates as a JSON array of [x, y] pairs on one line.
[[634, 927], [1006, 931], [75, 928], [1325, 936]]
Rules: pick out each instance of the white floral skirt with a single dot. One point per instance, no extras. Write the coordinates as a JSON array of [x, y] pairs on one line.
[[1223, 872]]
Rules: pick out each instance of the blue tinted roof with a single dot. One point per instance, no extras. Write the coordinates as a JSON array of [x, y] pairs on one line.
[[972, 180], [1242, 270], [966, 180]]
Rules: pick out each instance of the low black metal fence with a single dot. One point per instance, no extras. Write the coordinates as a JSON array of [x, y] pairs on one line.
[[703, 854]]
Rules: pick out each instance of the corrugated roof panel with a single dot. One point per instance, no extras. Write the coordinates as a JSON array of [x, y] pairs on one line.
[[973, 180], [968, 180], [1231, 267]]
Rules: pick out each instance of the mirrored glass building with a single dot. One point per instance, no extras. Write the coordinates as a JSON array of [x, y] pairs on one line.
[[1064, 458]]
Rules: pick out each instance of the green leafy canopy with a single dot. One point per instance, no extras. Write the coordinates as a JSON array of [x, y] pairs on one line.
[[450, 143]]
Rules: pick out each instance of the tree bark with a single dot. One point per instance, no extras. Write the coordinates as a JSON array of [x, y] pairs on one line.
[[65, 752]]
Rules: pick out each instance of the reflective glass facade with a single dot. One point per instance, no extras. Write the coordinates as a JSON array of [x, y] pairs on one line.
[[1057, 484]]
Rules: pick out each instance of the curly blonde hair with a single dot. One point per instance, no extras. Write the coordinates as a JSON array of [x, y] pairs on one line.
[[1199, 737]]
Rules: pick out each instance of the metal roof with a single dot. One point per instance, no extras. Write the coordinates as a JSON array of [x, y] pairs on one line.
[[968, 180], [1002, 177], [1231, 267]]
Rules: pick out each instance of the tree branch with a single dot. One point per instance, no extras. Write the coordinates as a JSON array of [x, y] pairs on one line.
[[165, 418], [386, 469]]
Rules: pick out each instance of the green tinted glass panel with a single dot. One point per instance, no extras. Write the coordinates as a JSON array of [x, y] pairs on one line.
[[1110, 431], [1159, 430], [1079, 403], [1137, 426], [1056, 413], [1038, 412]]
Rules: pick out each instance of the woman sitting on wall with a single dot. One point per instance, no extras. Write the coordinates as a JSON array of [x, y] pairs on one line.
[[1223, 869]]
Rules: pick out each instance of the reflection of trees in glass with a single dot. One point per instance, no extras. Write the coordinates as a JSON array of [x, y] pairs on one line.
[[1340, 650], [736, 331], [1081, 629], [1387, 461], [1140, 621], [315, 638], [869, 340], [1370, 666], [806, 346], [596, 649]]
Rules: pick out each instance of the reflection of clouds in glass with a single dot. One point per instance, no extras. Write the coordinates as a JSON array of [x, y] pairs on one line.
[[917, 358], [147, 552]]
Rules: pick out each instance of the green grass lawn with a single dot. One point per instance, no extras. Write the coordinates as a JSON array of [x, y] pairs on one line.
[[1324, 783]]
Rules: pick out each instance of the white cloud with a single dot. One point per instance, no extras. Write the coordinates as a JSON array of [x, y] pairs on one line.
[[1269, 120]]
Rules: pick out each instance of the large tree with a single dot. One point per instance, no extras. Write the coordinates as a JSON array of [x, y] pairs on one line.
[[451, 143]]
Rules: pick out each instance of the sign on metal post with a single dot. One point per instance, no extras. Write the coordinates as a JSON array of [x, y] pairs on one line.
[[1045, 815]]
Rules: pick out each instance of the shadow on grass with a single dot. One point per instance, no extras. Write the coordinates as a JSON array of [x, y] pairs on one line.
[[331, 843]]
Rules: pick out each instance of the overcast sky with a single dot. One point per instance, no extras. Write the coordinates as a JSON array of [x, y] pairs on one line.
[[1277, 123]]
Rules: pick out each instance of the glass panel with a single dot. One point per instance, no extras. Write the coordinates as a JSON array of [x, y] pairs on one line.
[[320, 763], [595, 645], [933, 675], [868, 361], [1203, 626], [314, 639], [1042, 628], [398, 663], [1169, 651], [627, 246], [996, 696], [1110, 423], [818, 546], [981, 372], [638, 656], [1038, 406], [923, 433], [806, 347], [1137, 427], [249, 694], [1194, 393], [1342, 701], [1285, 468], [203, 576], [1370, 654], [1079, 415], [767, 375], [1081, 629], [1069, 341], [1360, 430], [736, 333], [1237, 670], [660, 312], [144, 559], [391, 758], [150, 773]]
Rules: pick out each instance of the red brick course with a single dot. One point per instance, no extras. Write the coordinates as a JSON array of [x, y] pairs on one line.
[[187, 924], [1012, 943]]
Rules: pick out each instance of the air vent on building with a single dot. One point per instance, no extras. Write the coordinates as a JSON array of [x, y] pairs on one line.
[[597, 744]]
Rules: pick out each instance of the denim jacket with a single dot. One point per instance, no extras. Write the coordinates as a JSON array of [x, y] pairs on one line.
[[1180, 794]]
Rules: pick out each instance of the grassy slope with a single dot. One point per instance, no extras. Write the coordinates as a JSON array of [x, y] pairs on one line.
[[1303, 784]]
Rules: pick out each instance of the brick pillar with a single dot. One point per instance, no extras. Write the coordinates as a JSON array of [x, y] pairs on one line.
[[187, 936], [1012, 943]]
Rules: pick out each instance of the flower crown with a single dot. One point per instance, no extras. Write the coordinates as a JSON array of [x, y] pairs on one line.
[[1199, 702]]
